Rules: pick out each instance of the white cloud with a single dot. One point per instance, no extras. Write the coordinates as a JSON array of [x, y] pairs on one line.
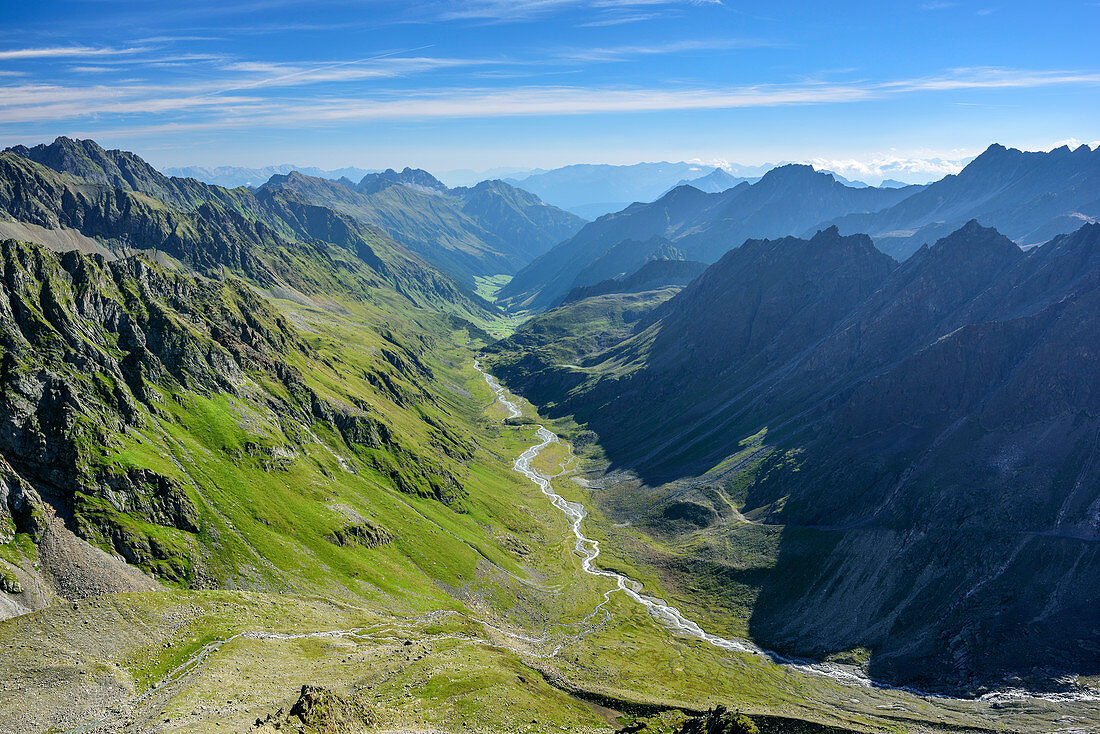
[[619, 19], [991, 77], [876, 167], [376, 67], [65, 52], [618, 53], [548, 101], [1072, 143], [520, 10]]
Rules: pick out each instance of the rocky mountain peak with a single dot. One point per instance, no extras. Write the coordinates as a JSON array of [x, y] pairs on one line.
[[977, 245], [413, 177], [793, 171]]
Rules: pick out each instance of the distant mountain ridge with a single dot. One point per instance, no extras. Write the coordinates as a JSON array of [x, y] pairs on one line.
[[469, 232], [1028, 196], [714, 182], [412, 177], [233, 176], [785, 201], [596, 189]]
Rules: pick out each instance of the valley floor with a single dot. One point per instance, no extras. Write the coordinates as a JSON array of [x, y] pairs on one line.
[[543, 647]]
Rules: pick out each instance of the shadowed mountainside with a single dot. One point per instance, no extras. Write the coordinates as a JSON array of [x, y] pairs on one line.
[[922, 436]]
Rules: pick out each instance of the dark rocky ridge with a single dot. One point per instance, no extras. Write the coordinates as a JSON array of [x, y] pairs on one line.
[[654, 274], [276, 238]]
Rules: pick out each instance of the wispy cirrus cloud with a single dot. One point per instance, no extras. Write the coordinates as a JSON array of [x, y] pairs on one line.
[[257, 96], [619, 19], [992, 77], [58, 52], [266, 74], [520, 10], [620, 53]]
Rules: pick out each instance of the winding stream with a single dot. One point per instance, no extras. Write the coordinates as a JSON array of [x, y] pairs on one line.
[[588, 549], [671, 617]]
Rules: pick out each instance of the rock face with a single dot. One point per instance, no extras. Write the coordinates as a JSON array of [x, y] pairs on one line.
[[365, 534], [929, 447]]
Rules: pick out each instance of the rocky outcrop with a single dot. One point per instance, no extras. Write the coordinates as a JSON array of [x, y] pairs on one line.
[[321, 711], [21, 509], [366, 534], [719, 720]]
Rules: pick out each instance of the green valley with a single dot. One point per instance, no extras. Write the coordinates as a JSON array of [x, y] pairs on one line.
[[252, 479]]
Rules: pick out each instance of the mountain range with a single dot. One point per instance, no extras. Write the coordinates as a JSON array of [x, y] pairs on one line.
[[917, 440], [1029, 196], [252, 476], [470, 232], [591, 190], [73, 194], [233, 176], [484, 230], [702, 226]]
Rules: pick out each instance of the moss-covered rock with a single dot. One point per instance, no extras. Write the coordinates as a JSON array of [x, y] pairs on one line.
[[366, 534]]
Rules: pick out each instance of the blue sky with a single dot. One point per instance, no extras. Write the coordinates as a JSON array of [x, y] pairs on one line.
[[874, 87]]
